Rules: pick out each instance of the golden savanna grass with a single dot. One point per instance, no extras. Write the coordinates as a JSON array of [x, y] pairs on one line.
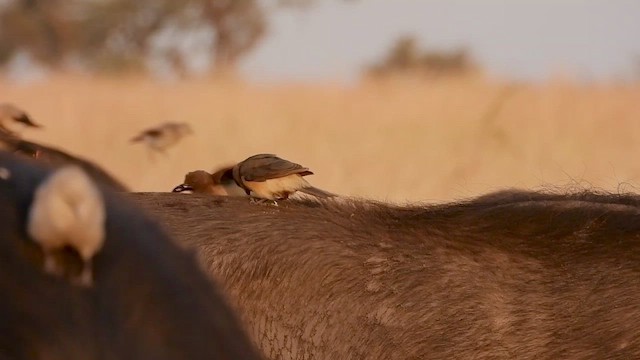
[[398, 141]]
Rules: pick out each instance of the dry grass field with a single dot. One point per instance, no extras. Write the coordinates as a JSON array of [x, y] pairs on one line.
[[399, 141]]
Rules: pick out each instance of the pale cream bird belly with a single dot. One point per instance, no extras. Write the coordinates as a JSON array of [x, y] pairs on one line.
[[275, 189], [229, 190]]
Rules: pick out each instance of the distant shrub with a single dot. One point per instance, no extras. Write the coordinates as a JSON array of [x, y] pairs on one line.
[[405, 57]]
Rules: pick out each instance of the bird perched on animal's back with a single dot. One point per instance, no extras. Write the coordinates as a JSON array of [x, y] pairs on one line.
[[267, 176], [163, 136], [219, 183], [11, 115]]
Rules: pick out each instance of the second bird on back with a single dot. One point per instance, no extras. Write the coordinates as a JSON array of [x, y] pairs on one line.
[[219, 183], [262, 176]]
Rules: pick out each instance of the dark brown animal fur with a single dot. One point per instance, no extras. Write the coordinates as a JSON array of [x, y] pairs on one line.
[[149, 300], [512, 275]]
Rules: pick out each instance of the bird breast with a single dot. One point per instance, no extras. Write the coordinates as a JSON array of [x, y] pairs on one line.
[[271, 187]]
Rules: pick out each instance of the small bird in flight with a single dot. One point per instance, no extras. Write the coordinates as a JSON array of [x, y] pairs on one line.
[[268, 177], [11, 115], [163, 136]]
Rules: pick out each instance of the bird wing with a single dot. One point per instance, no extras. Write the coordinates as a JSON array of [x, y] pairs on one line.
[[223, 174], [152, 133], [266, 166]]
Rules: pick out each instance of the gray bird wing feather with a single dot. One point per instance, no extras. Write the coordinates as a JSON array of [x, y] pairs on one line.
[[263, 167], [223, 174]]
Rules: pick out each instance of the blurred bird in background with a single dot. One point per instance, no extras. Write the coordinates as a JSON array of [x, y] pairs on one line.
[[13, 118], [162, 137]]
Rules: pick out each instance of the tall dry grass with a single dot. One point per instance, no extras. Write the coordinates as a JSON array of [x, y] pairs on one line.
[[398, 141]]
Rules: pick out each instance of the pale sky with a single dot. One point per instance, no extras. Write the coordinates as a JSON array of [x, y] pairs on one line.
[[525, 39]]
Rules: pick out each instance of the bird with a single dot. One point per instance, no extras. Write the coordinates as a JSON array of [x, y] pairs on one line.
[[11, 115], [268, 177], [163, 136], [219, 183]]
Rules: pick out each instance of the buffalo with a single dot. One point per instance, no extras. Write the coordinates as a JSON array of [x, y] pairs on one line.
[[149, 299], [509, 275]]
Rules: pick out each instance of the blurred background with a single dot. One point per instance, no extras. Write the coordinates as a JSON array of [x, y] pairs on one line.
[[404, 101]]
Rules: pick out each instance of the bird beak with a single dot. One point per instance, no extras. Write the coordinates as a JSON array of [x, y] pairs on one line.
[[181, 188]]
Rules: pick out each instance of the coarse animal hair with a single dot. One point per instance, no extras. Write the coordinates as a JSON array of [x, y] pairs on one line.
[[510, 275]]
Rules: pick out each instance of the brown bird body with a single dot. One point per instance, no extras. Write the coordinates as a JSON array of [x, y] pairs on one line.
[[269, 177], [219, 183], [11, 114]]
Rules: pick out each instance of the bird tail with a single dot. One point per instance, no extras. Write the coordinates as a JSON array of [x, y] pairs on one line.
[[319, 193]]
